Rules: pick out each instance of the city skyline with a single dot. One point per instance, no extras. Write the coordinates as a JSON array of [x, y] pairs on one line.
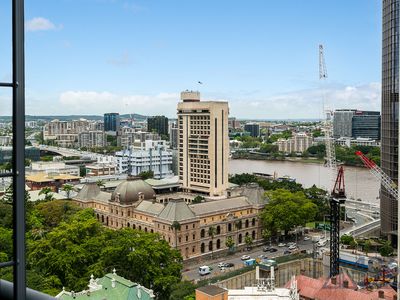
[[265, 68]]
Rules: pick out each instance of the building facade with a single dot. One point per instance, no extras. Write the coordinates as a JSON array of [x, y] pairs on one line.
[[342, 122], [150, 156], [203, 144], [92, 139], [158, 124], [135, 204], [111, 122], [64, 133], [390, 112], [253, 128], [173, 135], [298, 143], [366, 124]]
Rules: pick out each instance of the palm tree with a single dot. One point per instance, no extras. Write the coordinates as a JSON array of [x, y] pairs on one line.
[[100, 183], [211, 232], [176, 226], [47, 192], [68, 188]]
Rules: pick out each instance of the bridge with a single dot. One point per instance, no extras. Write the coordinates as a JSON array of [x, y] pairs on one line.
[[68, 152]]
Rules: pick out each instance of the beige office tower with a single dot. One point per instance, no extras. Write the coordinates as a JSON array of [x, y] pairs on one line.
[[203, 145]]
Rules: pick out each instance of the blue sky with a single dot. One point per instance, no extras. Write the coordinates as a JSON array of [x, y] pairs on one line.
[[95, 56]]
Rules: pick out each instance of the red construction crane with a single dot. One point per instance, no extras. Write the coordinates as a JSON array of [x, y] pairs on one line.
[[386, 181]]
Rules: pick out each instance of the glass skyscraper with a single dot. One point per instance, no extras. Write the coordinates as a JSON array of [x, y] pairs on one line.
[[111, 122], [390, 112]]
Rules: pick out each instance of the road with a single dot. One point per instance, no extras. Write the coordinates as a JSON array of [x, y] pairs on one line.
[[192, 272]]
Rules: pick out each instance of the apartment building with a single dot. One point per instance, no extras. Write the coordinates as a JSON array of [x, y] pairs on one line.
[[203, 145], [91, 139], [298, 143], [64, 133]]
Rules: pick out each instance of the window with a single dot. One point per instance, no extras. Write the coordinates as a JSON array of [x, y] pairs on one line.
[[202, 233], [202, 248], [194, 236], [247, 223], [253, 222], [218, 244], [218, 229], [229, 227]]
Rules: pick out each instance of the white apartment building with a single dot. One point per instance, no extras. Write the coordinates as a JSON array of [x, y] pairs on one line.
[[64, 133], [5, 140], [91, 139], [203, 144], [52, 167], [151, 156], [348, 142], [298, 143]]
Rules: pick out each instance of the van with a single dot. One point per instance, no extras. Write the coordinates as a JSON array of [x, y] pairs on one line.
[[204, 270], [249, 262]]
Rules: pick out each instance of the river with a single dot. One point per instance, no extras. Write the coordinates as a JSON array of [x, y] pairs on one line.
[[359, 182]]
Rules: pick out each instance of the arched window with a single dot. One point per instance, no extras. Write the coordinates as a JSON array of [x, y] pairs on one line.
[[240, 238], [202, 248], [247, 233], [253, 222], [218, 244], [129, 225], [218, 229], [145, 229], [253, 235], [140, 227], [247, 223], [102, 219], [202, 233], [134, 226], [229, 227], [98, 217], [152, 231], [107, 221], [210, 246]]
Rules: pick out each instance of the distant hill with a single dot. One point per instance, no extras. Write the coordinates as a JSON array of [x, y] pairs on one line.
[[136, 117]]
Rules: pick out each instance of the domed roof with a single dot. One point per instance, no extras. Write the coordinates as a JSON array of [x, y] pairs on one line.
[[130, 190]]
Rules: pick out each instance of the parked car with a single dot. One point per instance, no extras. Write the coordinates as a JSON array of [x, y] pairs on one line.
[[291, 244], [306, 238], [273, 250], [266, 248], [221, 265], [204, 270], [281, 245], [245, 257], [229, 265], [262, 256], [292, 247], [286, 252]]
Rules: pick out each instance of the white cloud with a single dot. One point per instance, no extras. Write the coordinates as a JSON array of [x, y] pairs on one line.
[[40, 24], [308, 104], [90, 102]]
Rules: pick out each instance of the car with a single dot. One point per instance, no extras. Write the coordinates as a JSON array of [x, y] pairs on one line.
[[306, 238], [286, 252], [291, 244], [229, 265], [221, 265], [292, 247], [266, 248], [262, 256], [245, 257], [273, 250], [281, 245]]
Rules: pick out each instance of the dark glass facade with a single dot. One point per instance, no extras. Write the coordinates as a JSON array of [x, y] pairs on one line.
[[158, 124], [366, 124], [111, 122], [390, 112], [254, 129]]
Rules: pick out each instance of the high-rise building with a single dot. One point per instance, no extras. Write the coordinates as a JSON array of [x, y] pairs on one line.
[[366, 124], [390, 112], [173, 135], [299, 143], [203, 144], [158, 124], [92, 139], [342, 122], [253, 128], [111, 122]]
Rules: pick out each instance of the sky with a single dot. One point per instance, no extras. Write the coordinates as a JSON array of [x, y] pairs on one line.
[[126, 56]]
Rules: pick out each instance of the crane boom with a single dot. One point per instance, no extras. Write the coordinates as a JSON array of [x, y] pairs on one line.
[[386, 181]]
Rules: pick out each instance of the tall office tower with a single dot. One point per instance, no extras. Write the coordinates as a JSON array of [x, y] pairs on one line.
[[203, 144], [367, 124], [342, 122], [173, 135], [390, 112], [253, 128], [111, 122], [158, 124]]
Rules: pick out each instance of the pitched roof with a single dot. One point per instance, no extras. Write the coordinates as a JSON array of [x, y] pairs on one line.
[[150, 207], [220, 205], [211, 290], [176, 210], [91, 191]]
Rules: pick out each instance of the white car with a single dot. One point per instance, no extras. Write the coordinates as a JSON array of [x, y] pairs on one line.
[[245, 257], [291, 244], [281, 245], [292, 247], [221, 265], [306, 238]]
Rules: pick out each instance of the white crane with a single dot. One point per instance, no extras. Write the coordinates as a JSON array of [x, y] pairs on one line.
[[327, 124]]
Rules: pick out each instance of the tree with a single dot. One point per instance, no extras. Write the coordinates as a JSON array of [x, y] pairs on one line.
[[230, 243], [182, 290], [386, 249], [68, 188], [211, 232], [197, 199], [100, 183], [286, 210], [146, 174], [367, 247], [249, 241], [346, 239], [176, 226], [47, 192], [82, 171]]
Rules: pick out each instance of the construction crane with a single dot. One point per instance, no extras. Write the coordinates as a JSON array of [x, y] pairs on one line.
[[338, 197], [327, 124], [385, 180]]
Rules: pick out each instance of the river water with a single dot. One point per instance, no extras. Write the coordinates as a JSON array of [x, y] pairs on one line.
[[359, 182]]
